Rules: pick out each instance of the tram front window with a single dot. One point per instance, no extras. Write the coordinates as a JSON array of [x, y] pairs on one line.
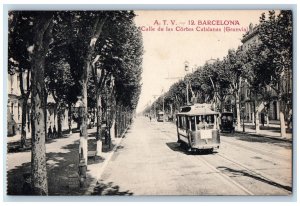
[[205, 122]]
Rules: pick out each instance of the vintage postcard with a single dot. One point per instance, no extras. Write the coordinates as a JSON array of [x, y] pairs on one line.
[[150, 102]]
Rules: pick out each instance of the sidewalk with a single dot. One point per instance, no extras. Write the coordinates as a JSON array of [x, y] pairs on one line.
[[271, 131], [95, 170], [62, 156]]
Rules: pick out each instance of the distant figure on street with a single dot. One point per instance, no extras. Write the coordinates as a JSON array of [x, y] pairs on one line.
[[150, 118], [49, 132], [54, 132]]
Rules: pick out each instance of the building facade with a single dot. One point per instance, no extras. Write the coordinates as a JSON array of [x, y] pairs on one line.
[[271, 109], [15, 102]]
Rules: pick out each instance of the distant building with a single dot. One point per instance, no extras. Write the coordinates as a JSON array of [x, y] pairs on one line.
[[14, 104], [210, 61]]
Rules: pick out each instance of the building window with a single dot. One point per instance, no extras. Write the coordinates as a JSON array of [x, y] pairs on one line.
[[18, 81], [12, 108], [19, 112], [11, 83]]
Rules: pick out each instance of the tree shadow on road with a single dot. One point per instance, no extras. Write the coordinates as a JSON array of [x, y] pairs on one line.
[[13, 147], [109, 189], [15, 179], [259, 139], [256, 177]]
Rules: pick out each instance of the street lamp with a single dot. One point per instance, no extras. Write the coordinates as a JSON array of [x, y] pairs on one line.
[[78, 108]]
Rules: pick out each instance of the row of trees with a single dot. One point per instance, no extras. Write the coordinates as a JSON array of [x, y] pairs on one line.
[[93, 54], [262, 66]]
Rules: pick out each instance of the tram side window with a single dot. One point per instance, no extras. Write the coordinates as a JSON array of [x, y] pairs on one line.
[[192, 121], [187, 123], [181, 122], [183, 126], [198, 119]]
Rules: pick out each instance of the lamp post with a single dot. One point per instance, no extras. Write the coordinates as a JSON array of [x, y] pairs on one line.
[[186, 69], [79, 109]]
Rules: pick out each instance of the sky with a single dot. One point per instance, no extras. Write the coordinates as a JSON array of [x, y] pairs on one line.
[[165, 52]]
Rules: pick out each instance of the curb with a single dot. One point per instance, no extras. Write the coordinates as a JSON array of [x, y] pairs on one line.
[[266, 136], [103, 165]]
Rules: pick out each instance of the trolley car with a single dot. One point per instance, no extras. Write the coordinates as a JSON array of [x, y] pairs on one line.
[[198, 127], [160, 116]]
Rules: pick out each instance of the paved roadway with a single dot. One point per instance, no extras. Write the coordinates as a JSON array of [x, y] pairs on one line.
[[150, 162]]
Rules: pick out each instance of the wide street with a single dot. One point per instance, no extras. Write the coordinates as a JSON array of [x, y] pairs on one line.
[[149, 161]]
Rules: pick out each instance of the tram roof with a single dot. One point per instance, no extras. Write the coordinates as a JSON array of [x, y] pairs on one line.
[[197, 109]]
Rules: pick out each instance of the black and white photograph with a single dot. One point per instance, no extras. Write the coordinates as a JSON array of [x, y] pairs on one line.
[[149, 102]]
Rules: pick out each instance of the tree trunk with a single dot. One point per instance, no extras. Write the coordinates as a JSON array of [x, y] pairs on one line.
[[23, 128], [237, 98], [42, 36], [99, 118], [38, 155], [113, 112], [113, 118], [238, 112], [59, 123], [24, 108], [118, 122], [70, 118], [256, 115], [257, 129], [281, 117], [112, 129], [253, 113], [83, 115]]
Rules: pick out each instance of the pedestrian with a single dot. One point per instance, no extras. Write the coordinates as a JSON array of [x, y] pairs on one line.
[[150, 118], [49, 132], [27, 189], [54, 132]]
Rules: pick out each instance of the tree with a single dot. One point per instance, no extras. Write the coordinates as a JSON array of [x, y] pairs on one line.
[[42, 30], [19, 61], [59, 80], [85, 28], [117, 64], [276, 35], [235, 61]]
